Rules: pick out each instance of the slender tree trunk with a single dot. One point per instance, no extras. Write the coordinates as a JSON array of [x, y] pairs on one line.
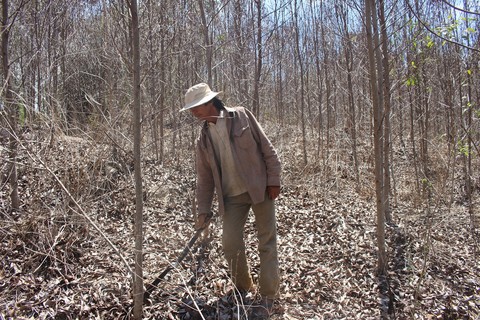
[[137, 112], [318, 68], [423, 121], [380, 94], [326, 62], [378, 131], [239, 54], [411, 87], [258, 58], [328, 97], [387, 109], [351, 119], [63, 73], [278, 54], [152, 77], [414, 159], [38, 59], [53, 63], [302, 83], [207, 42], [470, 131], [161, 102], [450, 130], [11, 110]]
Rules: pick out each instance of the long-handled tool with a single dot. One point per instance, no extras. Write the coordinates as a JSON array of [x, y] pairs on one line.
[[180, 258]]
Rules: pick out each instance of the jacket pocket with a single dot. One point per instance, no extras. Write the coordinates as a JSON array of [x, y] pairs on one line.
[[244, 138]]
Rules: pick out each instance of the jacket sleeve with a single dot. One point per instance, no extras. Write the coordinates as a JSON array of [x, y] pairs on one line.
[[269, 154], [205, 181]]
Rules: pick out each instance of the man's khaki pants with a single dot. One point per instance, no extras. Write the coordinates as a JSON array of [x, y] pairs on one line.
[[236, 214]]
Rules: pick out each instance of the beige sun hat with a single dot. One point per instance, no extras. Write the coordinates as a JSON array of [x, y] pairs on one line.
[[198, 95]]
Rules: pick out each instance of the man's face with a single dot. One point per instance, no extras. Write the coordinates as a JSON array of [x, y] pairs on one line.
[[205, 111]]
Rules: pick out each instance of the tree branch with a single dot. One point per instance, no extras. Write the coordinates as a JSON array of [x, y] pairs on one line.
[[436, 34], [460, 9]]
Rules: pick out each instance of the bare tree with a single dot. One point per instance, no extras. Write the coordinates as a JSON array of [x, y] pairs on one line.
[[351, 119], [11, 107], [240, 52], [376, 87], [207, 41], [137, 112], [156, 72], [326, 48], [319, 79], [259, 60], [387, 110], [299, 58], [277, 51], [469, 130]]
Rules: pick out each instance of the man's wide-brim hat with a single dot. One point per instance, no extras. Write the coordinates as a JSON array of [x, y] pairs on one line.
[[198, 95]]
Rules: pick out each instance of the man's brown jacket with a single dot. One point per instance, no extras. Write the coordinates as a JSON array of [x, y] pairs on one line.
[[253, 153]]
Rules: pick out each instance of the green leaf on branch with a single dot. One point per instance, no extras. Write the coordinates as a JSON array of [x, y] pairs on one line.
[[426, 183], [410, 82], [463, 148]]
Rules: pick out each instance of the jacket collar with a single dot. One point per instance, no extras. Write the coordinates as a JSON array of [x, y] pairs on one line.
[[229, 110]]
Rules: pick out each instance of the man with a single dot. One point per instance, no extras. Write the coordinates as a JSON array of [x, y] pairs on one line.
[[235, 158]]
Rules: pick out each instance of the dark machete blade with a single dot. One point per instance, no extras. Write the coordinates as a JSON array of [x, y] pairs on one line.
[[154, 284]]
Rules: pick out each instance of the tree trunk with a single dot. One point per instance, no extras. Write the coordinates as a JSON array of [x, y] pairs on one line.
[[12, 110], [326, 62], [378, 132], [470, 131], [138, 280], [302, 84], [207, 43], [351, 119], [152, 78], [386, 117], [258, 65], [319, 83], [240, 54]]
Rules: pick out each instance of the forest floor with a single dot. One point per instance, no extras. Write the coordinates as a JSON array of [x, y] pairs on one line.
[[55, 264]]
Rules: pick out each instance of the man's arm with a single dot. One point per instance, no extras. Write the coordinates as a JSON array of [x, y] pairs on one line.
[[205, 183], [269, 154]]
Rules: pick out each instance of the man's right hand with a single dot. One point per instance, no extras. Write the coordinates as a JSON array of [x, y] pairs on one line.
[[203, 219]]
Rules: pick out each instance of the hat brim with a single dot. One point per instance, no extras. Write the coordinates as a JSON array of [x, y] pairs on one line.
[[197, 103]]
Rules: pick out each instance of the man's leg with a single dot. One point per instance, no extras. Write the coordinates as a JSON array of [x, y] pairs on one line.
[[236, 213], [265, 221]]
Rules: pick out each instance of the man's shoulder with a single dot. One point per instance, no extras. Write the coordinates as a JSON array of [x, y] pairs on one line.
[[238, 111], [234, 109]]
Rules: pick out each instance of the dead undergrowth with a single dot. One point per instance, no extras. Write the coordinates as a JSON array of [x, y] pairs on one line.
[[55, 265]]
